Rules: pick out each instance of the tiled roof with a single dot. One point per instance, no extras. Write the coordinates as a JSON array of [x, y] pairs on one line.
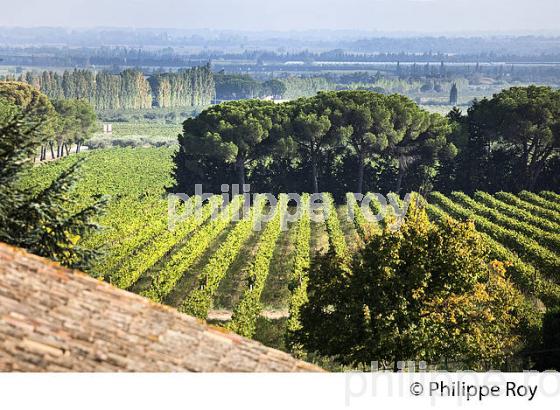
[[56, 319]]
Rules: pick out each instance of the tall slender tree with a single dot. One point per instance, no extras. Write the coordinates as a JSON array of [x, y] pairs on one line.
[[453, 95]]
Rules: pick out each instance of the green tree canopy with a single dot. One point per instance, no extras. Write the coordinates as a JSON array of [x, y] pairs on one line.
[[34, 105], [233, 132], [76, 123], [418, 137], [368, 121], [423, 292], [38, 221], [523, 122], [331, 133], [310, 132]]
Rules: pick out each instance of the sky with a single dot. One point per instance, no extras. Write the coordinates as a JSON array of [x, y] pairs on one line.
[[418, 16]]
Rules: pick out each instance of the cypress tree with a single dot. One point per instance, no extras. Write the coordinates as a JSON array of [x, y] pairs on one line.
[[453, 95]]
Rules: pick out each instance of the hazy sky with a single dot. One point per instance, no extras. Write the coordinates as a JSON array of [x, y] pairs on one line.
[[382, 15]]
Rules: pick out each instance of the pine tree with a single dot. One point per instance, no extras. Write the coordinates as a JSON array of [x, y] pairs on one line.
[[40, 221]]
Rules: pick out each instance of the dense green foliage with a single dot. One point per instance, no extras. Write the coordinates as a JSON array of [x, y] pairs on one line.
[[76, 124], [128, 89], [422, 292], [64, 122], [103, 90], [311, 144], [363, 141], [507, 143], [231, 132], [46, 221], [185, 88], [35, 105]]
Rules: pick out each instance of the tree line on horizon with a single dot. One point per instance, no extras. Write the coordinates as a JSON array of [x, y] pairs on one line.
[[129, 89]]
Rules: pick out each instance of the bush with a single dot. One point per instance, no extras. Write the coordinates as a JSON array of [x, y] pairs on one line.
[[127, 142], [98, 143], [150, 116], [426, 88]]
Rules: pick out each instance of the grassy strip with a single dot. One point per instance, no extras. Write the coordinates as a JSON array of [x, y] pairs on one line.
[[299, 276]]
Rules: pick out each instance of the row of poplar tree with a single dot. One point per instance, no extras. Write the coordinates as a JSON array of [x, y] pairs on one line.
[[130, 89]]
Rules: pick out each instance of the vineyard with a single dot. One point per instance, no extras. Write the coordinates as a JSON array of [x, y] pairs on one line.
[[223, 269]]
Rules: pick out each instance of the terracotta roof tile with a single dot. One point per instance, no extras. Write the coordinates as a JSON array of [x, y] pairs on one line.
[[56, 319]]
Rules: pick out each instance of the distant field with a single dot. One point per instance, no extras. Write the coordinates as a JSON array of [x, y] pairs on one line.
[[144, 129], [137, 134], [212, 267]]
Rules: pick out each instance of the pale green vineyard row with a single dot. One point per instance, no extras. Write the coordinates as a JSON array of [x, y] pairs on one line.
[[246, 312]]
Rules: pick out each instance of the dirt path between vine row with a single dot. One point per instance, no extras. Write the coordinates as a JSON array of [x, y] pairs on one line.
[[225, 315]]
